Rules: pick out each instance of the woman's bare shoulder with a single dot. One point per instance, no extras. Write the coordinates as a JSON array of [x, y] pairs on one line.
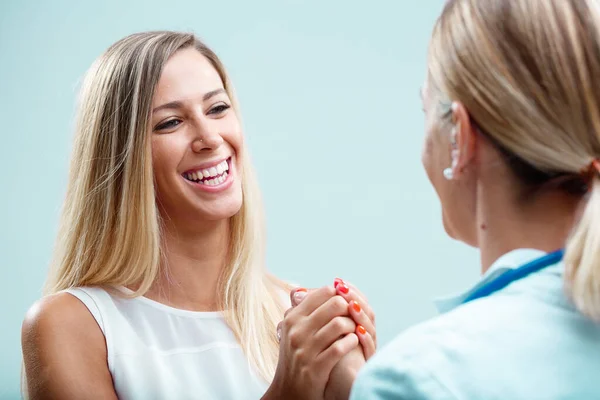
[[64, 350], [59, 313]]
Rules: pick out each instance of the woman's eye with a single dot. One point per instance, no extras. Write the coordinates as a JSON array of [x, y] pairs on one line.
[[170, 124], [219, 109]]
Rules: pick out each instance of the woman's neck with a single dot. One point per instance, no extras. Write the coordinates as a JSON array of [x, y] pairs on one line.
[[505, 224], [192, 265]]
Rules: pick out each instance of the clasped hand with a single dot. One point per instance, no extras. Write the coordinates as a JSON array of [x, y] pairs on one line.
[[325, 338]]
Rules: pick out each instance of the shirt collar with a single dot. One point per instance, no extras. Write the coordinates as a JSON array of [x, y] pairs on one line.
[[511, 260]]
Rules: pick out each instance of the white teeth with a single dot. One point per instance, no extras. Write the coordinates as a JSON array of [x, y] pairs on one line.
[[218, 174], [215, 181], [209, 182]]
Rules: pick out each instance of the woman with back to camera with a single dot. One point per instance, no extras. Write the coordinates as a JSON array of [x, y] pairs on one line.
[[158, 288], [512, 147]]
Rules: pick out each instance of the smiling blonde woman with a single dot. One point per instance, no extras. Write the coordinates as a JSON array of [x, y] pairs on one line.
[[158, 288]]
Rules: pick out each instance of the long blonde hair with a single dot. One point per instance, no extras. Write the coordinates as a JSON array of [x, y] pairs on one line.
[[527, 71], [110, 195]]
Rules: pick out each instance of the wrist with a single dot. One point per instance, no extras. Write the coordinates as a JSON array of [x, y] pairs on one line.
[[340, 382], [273, 392], [270, 395], [278, 389]]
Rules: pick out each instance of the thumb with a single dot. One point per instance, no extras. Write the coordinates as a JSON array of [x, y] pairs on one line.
[[297, 295]]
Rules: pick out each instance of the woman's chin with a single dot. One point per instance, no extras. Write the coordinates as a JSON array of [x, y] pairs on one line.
[[450, 231], [465, 235], [213, 206], [221, 216], [220, 211]]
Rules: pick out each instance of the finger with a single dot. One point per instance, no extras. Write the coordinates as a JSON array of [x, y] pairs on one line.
[[351, 292], [329, 357], [295, 315], [289, 310], [366, 341], [361, 318], [351, 286], [278, 331], [296, 295], [332, 331], [334, 307], [356, 291], [314, 299], [286, 324], [344, 290]]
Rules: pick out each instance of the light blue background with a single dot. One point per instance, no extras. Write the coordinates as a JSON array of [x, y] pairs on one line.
[[330, 99]]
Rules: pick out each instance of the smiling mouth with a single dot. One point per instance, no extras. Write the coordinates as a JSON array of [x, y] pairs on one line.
[[212, 176]]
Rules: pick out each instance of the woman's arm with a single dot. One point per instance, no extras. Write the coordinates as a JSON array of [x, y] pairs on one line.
[[64, 351]]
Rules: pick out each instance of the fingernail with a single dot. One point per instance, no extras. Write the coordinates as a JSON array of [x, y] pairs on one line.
[[343, 288], [356, 307], [361, 329], [299, 295], [337, 281]]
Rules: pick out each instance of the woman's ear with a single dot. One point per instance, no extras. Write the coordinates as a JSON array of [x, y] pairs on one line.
[[463, 137]]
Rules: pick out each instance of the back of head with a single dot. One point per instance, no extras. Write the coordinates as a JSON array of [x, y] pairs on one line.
[[526, 70]]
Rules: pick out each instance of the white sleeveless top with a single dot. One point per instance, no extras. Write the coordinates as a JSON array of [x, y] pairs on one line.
[[159, 352]]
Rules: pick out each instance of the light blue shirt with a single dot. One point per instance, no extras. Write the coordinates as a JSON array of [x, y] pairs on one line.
[[525, 341]]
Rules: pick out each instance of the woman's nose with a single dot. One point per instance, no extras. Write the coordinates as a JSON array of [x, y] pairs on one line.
[[206, 137]]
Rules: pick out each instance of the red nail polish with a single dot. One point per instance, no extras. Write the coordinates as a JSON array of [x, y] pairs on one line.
[[356, 307], [343, 288], [337, 281], [301, 290], [361, 330]]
